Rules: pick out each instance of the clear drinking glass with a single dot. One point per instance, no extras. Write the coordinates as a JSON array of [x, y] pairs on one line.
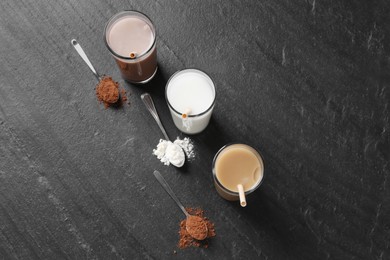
[[218, 177], [197, 89], [127, 33]]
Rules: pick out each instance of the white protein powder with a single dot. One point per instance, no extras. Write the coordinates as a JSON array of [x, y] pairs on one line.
[[187, 146], [166, 152]]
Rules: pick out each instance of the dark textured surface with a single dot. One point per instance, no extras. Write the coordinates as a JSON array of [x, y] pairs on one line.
[[305, 82]]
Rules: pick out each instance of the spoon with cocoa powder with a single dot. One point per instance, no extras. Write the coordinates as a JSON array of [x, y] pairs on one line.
[[107, 90], [195, 225]]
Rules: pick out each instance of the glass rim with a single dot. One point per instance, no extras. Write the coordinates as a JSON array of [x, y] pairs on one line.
[[113, 18], [234, 193], [198, 71]]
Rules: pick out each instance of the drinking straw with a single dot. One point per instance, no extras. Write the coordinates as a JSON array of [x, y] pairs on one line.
[[241, 193], [133, 55], [186, 113]]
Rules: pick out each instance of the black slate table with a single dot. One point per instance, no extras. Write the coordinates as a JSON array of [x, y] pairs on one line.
[[305, 82]]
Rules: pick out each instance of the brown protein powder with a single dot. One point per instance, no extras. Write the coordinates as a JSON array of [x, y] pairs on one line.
[[186, 240], [108, 92], [196, 227]]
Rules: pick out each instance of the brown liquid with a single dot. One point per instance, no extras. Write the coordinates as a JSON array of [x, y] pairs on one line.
[[238, 164], [138, 71], [131, 36]]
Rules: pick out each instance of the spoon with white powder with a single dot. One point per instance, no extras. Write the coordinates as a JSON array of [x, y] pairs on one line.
[[172, 151]]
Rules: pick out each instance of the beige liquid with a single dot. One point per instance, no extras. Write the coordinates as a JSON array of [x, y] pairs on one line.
[[238, 164]]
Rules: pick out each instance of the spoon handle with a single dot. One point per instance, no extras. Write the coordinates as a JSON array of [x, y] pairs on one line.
[[168, 189], [82, 54], [148, 101]]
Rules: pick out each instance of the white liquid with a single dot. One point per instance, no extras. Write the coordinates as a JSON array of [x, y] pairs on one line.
[[195, 90]]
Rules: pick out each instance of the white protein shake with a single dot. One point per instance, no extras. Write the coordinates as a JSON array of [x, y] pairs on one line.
[[190, 92]]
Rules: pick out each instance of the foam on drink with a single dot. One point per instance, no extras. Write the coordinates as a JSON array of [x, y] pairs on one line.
[[130, 35]]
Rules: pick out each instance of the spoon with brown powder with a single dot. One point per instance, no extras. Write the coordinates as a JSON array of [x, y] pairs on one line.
[[196, 226], [107, 90]]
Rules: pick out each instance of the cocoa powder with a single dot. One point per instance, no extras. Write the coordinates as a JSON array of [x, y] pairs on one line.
[[186, 240], [196, 227], [123, 95], [108, 92]]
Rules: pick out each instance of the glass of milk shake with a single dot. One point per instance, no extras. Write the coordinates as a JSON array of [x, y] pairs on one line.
[[190, 95], [236, 164], [130, 37]]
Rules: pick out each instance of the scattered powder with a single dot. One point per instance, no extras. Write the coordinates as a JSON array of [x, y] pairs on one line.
[[124, 96], [187, 146], [186, 240], [166, 152]]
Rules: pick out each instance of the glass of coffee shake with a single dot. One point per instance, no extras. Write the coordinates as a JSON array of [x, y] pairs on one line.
[[236, 164]]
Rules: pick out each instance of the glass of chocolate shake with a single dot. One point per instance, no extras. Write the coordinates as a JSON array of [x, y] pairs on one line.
[[130, 37]]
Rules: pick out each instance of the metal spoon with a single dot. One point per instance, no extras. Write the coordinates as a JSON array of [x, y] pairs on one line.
[[148, 101], [198, 235], [82, 54], [80, 51]]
